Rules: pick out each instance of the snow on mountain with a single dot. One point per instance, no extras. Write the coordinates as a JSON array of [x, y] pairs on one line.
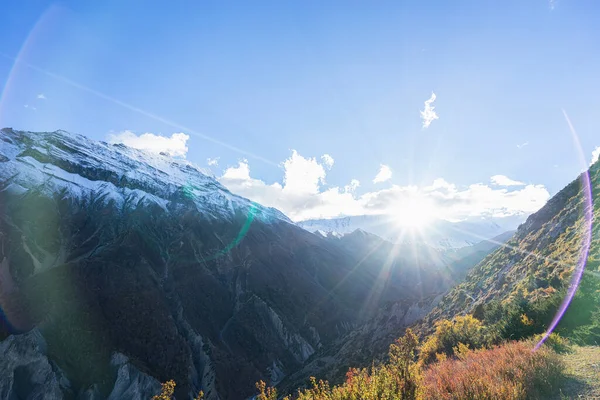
[[60, 160], [440, 234]]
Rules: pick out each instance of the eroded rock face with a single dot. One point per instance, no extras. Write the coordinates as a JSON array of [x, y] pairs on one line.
[[131, 383], [26, 372]]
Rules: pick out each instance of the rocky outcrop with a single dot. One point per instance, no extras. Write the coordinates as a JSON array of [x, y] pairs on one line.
[[26, 372], [130, 382]]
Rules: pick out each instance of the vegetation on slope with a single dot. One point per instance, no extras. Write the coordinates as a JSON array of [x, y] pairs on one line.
[[510, 371], [531, 275]]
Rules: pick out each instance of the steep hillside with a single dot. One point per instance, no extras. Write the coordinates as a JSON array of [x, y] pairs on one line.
[[120, 269], [461, 260], [537, 265]]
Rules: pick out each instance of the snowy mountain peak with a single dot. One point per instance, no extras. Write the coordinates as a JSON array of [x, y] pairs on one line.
[[60, 160]]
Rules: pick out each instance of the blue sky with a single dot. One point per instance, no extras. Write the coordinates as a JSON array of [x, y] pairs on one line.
[[258, 80]]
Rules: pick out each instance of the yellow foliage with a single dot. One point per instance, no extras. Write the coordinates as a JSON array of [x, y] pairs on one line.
[[525, 320], [166, 393], [556, 342], [465, 330], [266, 393], [399, 379], [461, 351], [167, 390]]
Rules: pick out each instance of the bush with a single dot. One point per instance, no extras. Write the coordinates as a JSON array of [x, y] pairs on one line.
[[518, 318], [167, 390], [399, 379], [508, 372], [449, 335], [522, 317], [587, 334], [556, 342]]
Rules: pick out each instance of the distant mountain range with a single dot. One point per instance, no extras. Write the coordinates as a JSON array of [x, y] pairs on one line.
[[439, 234]]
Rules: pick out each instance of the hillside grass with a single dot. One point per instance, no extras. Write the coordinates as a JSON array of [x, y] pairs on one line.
[[582, 374], [508, 372]]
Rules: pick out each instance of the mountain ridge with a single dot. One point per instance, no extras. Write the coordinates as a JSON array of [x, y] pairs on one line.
[[72, 161]]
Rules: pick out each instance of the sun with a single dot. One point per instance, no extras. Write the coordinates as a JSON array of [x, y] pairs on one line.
[[415, 213]]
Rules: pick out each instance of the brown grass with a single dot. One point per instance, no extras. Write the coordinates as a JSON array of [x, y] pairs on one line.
[[508, 372]]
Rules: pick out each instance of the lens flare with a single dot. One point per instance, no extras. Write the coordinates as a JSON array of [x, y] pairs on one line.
[[588, 205]]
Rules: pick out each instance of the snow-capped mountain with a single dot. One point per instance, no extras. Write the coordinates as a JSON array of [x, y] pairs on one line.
[[440, 234], [62, 160]]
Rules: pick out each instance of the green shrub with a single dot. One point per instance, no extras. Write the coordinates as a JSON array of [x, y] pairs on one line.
[[556, 342], [463, 330]]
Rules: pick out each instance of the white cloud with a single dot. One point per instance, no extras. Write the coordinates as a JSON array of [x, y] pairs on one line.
[[213, 162], [30, 107], [327, 160], [552, 4], [440, 184], [595, 155], [520, 146], [354, 183], [302, 196], [41, 96], [503, 180], [241, 172], [302, 175], [175, 145], [383, 175], [428, 115]]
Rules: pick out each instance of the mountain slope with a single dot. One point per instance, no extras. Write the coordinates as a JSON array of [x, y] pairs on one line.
[[133, 268], [62, 160], [538, 262]]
